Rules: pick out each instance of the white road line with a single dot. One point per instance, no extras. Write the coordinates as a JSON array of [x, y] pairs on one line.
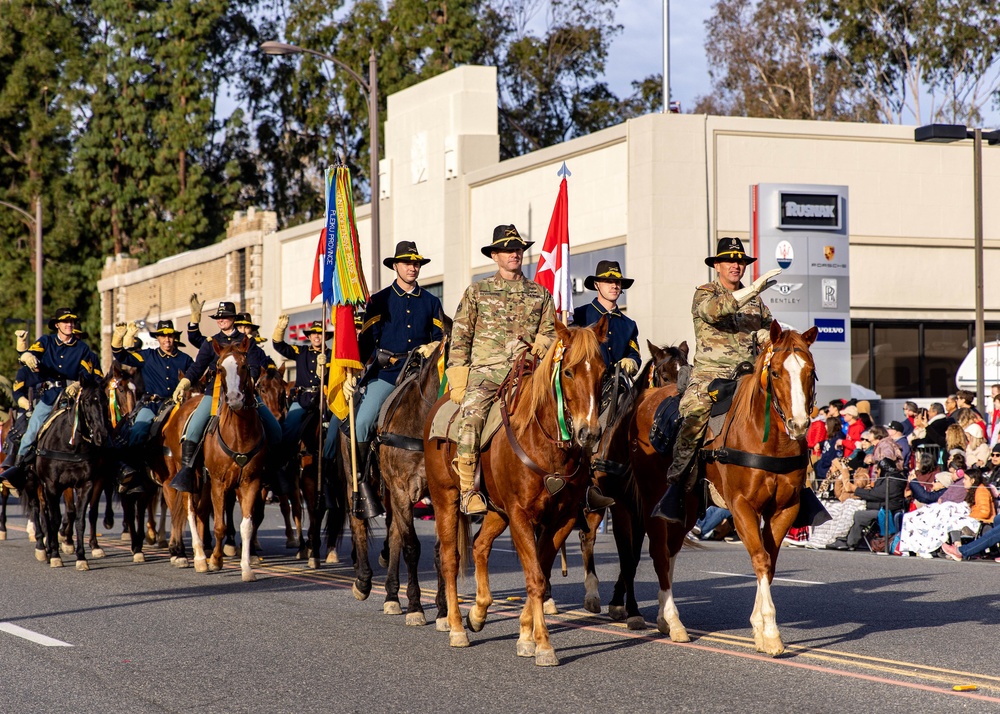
[[43, 640], [754, 577]]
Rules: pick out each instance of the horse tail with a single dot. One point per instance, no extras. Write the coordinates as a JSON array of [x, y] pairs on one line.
[[464, 542]]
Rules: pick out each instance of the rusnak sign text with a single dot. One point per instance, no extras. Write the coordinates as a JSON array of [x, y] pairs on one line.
[[807, 210]]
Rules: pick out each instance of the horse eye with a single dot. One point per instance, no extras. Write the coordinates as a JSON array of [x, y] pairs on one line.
[[774, 373], [568, 373]]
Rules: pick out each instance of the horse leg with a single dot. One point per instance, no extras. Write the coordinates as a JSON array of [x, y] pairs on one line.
[[93, 510], [257, 518], [296, 502], [66, 523], [229, 549], [140, 509], [160, 500], [53, 521], [591, 585], [624, 527], [392, 539], [765, 629], [665, 541], [4, 493], [248, 496], [362, 586], [534, 634], [220, 507], [493, 525], [411, 554], [109, 513], [195, 524], [178, 519]]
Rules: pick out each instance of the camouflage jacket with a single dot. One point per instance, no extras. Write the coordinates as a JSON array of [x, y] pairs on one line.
[[724, 331], [494, 319]]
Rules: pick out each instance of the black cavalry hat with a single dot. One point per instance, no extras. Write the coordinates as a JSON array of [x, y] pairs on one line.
[[165, 328], [243, 318], [225, 310], [607, 270], [316, 328], [506, 238], [406, 250], [730, 250], [63, 314]]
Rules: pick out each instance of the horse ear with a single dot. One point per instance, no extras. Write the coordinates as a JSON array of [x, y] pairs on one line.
[[775, 331], [684, 349], [562, 332], [810, 335], [244, 344], [218, 347], [655, 352], [281, 370], [601, 329]]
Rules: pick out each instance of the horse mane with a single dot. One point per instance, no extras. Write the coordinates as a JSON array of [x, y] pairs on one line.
[[583, 347]]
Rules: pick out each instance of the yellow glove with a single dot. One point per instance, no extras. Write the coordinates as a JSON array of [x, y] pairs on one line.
[[182, 386], [279, 330], [350, 384], [427, 350], [628, 365], [744, 295], [320, 365], [30, 360], [21, 342], [131, 330], [23, 403], [458, 380], [541, 345], [118, 334], [72, 389], [196, 308]]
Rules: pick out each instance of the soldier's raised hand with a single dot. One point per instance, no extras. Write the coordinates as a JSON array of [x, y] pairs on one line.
[[196, 307], [279, 329], [21, 340]]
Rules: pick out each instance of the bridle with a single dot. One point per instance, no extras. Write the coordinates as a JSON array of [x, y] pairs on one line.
[[766, 384]]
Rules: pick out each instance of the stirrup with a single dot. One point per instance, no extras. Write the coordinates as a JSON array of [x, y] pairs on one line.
[[596, 501], [671, 506], [472, 503]]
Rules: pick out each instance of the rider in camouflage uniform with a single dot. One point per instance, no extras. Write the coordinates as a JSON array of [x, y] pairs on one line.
[[494, 321], [727, 319]]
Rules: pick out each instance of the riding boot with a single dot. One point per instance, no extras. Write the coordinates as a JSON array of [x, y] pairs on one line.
[[186, 479], [471, 501], [680, 479], [596, 501], [16, 475]]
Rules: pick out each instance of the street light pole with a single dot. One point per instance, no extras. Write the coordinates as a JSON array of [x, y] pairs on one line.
[[370, 91], [35, 224]]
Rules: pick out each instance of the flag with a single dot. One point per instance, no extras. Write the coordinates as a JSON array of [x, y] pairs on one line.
[[553, 265], [345, 356], [317, 281]]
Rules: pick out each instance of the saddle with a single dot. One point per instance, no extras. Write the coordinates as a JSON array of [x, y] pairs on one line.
[[445, 424]]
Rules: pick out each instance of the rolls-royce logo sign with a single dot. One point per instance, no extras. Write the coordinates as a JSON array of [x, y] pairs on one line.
[[803, 210]]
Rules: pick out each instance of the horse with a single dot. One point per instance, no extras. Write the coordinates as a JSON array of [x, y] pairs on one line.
[[4, 490], [631, 472], [70, 457], [274, 392], [234, 460], [759, 469], [562, 397]]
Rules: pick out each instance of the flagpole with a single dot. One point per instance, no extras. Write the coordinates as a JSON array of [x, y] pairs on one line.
[[322, 406], [354, 441]]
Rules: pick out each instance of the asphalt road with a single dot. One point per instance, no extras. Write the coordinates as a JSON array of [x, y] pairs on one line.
[[863, 633]]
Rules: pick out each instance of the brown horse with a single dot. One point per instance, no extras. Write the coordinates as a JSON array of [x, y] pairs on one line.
[[759, 469], [234, 459], [274, 392], [524, 495]]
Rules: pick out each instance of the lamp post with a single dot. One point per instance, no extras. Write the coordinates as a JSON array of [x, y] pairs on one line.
[[370, 90], [35, 224], [945, 134]]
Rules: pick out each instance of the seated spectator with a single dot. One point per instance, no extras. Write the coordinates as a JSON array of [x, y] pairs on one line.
[[985, 541], [714, 517], [817, 430], [883, 448], [967, 400], [827, 450], [937, 424], [950, 405], [977, 451], [925, 530], [865, 413], [956, 441], [993, 479], [895, 430], [854, 429], [925, 471], [910, 411], [978, 497], [864, 449], [890, 487], [833, 410], [841, 487], [930, 494]]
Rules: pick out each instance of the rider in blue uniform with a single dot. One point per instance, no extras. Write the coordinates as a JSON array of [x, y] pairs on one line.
[[307, 385], [162, 369], [398, 319], [204, 364], [62, 363]]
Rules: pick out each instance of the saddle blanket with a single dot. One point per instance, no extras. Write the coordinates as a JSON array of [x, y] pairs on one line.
[[440, 430]]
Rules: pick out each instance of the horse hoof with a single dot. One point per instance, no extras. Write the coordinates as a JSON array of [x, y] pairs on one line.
[[138, 558], [549, 607], [126, 536], [248, 576], [525, 648], [40, 556], [291, 543], [458, 639], [109, 523], [200, 565], [617, 612], [66, 548], [415, 619], [181, 562], [475, 625], [150, 536], [301, 555], [55, 563], [636, 622], [358, 593], [3, 535], [592, 604], [214, 566], [229, 550], [441, 625], [97, 553], [256, 560], [314, 563], [382, 561], [163, 543], [546, 658], [81, 565], [61, 537], [391, 607], [332, 558], [771, 646]]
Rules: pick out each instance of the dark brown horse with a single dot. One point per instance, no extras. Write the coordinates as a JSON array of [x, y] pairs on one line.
[[759, 469], [234, 459], [517, 485]]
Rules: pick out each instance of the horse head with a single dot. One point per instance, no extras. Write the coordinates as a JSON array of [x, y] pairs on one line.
[[274, 390], [234, 372], [121, 390], [666, 366], [93, 405], [788, 375]]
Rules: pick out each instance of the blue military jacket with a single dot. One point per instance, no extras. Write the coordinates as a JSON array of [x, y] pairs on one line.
[[305, 366], [160, 371], [197, 340], [623, 334], [71, 361], [204, 363], [24, 380], [397, 322]]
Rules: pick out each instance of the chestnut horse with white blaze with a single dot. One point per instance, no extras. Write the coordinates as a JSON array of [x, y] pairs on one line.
[[517, 466], [759, 468]]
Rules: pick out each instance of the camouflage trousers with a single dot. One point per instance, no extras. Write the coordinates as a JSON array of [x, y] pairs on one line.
[[479, 397], [696, 406]]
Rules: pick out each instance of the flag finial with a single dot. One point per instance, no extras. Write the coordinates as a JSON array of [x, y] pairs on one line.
[[564, 171]]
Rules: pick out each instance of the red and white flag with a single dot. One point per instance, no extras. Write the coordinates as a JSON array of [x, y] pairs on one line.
[[553, 265]]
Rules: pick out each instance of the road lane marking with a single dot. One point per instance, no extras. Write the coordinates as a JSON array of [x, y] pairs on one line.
[[744, 575], [35, 637]]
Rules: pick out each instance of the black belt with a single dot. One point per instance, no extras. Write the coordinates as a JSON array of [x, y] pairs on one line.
[[55, 384]]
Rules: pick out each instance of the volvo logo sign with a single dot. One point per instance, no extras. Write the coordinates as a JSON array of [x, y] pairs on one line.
[[831, 330], [805, 210]]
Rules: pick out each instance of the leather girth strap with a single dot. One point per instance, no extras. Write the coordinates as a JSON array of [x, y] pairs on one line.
[[399, 441], [773, 464]]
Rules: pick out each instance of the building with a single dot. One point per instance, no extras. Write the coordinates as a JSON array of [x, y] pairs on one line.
[[654, 193]]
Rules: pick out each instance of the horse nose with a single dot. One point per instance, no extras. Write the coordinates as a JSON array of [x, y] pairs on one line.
[[586, 437], [797, 427]]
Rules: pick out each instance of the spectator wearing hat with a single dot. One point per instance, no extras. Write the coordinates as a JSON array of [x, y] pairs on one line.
[[310, 360], [977, 451], [493, 317], [993, 479], [62, 363], [729, 321], [895, 432], [399, 319], [622, 345], [854, 429], [204, 365], [162, 369]]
